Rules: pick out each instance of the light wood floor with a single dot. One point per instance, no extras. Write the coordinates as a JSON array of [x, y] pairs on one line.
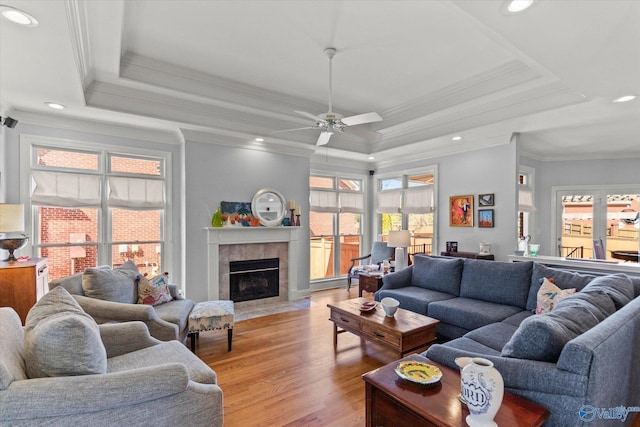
[[284, 371]]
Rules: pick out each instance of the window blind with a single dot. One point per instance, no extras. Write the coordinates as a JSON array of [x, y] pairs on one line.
[[351, 202], [418, 200], [136, 193], [323, 201], [68, 190], [389, 202]]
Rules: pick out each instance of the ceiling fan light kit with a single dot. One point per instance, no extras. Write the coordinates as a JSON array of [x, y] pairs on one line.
[[330, 123]]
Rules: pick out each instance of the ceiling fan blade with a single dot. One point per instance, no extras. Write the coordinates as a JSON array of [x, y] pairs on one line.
[[324, 138], [367, 134], [361, 119], [311, 116], [291, 130]]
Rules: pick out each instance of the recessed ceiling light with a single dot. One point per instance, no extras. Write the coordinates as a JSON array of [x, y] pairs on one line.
[[371, 158], [259, 139], [456, 138], [55, 105], [517, 6], [18, 17], [625, 98]]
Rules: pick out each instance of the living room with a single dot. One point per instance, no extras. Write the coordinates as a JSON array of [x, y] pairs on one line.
[[209, 134]]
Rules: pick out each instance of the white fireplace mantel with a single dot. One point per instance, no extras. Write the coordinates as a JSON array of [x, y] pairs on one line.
[[248, 235]]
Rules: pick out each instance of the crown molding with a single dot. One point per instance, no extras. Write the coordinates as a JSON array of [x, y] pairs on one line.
[[79, 34], [245, 141], [100, 128]]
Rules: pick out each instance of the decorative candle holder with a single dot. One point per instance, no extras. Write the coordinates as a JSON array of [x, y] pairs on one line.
[[292, 219], [297, 220]]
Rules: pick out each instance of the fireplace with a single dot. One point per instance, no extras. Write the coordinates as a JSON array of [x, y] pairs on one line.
[[254, 279]]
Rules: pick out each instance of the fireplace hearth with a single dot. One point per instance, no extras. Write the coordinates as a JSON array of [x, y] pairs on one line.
[[254, 279]]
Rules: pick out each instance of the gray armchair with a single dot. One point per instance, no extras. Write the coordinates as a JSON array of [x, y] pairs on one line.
[[166, 321], [379, 252], [147, 383]]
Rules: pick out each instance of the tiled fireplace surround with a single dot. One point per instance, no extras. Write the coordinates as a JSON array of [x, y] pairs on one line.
[[248, 243]]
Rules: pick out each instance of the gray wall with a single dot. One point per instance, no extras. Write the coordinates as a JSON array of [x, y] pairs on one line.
[[491, 170], [218, 173]]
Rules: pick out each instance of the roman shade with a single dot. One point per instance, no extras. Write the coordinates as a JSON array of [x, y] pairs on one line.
[[68, 190], [389, 202], [136, 193], [525, 200], [351, 202], [323, 201], [418, 200]]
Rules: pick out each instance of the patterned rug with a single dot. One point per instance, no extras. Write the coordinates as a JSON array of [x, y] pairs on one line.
[[249, 312]]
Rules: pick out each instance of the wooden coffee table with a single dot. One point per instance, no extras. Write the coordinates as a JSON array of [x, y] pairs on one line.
[[393, 401], [403, 333]]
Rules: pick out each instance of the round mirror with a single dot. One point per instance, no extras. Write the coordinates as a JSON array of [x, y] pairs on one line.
[[269, 207]]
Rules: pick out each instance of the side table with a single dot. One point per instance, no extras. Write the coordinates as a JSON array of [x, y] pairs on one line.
[[369, 282], [391, 401], [471, 255]]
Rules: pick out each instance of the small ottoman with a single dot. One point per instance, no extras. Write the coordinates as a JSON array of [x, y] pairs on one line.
[[210, 315]]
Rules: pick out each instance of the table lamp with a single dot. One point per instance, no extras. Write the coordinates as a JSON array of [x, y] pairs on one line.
[[400, 239], [12, 221]]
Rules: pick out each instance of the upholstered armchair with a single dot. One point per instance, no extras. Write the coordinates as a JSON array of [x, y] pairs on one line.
[[379, 252], [63, 369], [110, 295]]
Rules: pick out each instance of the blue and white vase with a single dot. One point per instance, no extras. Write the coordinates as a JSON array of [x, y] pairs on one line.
[[483, 390]]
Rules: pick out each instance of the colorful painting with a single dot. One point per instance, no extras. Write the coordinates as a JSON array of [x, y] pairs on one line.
[[485, 218], [461, 211]]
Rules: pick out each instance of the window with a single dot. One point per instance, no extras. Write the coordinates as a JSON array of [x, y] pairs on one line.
[[335, 224], [589, 215], [407, 202], [526, 200], [96, 206]]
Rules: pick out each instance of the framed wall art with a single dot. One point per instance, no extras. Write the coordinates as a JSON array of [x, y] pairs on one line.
[[485, 199], [485, 218], [461, 211]]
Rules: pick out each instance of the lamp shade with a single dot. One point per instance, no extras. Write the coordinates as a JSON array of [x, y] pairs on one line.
[[11, 218], [399, 239]]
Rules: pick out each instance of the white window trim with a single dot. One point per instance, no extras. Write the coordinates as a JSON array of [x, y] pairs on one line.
[[28, 141]]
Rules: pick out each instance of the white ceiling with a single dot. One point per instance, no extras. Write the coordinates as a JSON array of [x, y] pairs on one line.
[[228, 71]]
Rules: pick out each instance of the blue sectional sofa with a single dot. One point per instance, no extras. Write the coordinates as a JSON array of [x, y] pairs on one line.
[[581, 360]]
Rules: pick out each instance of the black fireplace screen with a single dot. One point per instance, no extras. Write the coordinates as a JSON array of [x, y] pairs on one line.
[[254, 279]]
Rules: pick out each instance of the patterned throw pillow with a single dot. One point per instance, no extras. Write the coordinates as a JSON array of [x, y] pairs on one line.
[[549, 295], [154, 291]]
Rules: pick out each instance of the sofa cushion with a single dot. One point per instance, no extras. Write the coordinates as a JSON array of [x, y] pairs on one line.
[[11, 349], [596, 302], [117, 285], [61, 339], [176, 312], [543, 337], [617, 286], [438, 274], [500, 282], [561, 278], [73, 283], [494, 335], [469, 313], [414, 298], [549, 295], [517, 318]]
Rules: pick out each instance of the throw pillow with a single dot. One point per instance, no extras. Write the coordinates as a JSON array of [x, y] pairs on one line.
[[61, 339], [618, 286], [549, 295], [154, 291], [117, 285], [563, 279]]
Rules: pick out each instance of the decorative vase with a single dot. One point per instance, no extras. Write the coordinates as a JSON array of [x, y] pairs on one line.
[[216, 220], [482, 389]]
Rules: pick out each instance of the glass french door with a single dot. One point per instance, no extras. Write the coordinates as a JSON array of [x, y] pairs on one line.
[[599, 224]]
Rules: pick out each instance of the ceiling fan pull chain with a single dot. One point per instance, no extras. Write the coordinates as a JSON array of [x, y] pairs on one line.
[[330, 83]]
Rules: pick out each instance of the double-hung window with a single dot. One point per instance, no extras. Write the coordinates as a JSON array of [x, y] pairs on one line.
[[407, 202], [335, 224], [96, 205]]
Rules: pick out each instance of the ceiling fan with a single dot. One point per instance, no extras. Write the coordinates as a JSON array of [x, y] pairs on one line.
[[330, 122]]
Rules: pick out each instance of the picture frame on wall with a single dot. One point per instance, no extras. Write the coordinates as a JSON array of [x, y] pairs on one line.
[[486, 199], [485, 218], [461, 211]]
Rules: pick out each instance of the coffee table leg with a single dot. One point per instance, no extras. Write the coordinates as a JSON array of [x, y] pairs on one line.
[[335, 335]]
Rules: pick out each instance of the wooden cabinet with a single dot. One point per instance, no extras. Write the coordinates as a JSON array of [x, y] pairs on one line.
[[22, 284]]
